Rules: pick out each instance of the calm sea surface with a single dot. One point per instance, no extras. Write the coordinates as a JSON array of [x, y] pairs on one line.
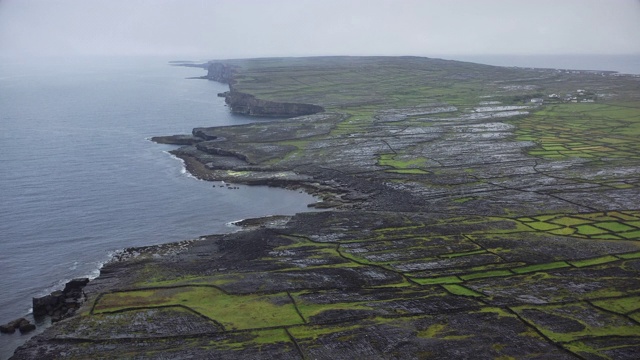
[[79, 180]]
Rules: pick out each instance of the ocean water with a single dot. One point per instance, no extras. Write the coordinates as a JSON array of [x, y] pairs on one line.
[[79, 179]]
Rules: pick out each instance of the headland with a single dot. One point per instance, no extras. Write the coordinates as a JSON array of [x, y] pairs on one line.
[[475, 212]]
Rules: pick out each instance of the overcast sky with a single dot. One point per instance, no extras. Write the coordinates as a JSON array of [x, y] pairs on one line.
[[252, 28]]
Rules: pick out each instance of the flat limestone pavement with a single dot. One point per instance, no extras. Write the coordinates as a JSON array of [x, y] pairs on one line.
[[474, 213]]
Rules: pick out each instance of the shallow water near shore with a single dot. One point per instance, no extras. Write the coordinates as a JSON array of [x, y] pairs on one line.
[[80, 180]]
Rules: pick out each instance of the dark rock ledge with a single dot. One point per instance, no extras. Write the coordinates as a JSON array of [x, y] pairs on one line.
[[21, 324], [61, 304], [58, 305]]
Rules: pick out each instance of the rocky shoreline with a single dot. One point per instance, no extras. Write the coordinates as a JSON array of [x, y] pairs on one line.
[[58, 305], [456, 230]]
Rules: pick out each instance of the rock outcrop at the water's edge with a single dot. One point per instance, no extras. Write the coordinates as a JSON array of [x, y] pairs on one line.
[[61, 304], [21, 324]]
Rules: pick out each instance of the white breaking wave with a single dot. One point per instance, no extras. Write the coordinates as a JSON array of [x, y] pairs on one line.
[[183, 170], [234, 223]]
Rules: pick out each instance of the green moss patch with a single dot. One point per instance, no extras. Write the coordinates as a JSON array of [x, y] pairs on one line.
[[632, 235], [463, 200], [569, 221], [438, 280], [635, 255], [540, 267], [232, 311], [621, 306], [567, 231], [461, 290], [592, 262], [487, 274], [614, 226], [590, 230], [407, 171], [543, 226]]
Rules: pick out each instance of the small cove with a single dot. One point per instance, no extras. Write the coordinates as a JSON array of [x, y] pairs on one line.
[[80, 179]]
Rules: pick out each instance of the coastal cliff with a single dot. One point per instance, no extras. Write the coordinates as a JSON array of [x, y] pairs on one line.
[[220, 72], [247, 104], [466, 223]]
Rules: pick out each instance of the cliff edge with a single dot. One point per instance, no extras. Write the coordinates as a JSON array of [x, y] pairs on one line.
[[247, 104]]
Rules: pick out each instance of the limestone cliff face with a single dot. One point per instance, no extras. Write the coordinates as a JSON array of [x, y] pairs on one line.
[[220, 72], [247, 104]]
